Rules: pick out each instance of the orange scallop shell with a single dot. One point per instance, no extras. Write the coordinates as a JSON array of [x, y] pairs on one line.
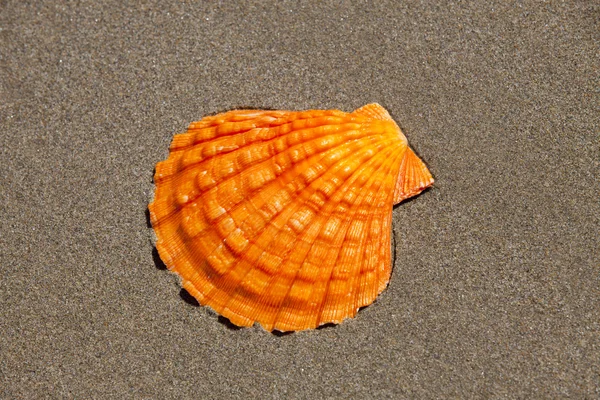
[[284, 217]]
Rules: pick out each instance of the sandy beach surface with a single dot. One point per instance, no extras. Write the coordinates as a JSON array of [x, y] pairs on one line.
[[495, 291]]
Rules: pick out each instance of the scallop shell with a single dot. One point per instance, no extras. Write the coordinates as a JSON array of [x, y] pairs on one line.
[[284, 217]]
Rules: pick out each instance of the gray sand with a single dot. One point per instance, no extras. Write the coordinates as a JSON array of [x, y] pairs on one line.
[[496, 286]]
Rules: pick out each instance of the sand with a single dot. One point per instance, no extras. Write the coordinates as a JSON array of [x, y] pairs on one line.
[[496, 287]]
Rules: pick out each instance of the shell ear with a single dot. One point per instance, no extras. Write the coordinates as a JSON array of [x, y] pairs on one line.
[[413, 177], [374, 111]]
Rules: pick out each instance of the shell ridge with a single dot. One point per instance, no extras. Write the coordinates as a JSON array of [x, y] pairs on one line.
[[385, 232], [313, 319], [182, 173], [227, 214], [385, 240], [399, 186], [332, 206], [302, 165], [209, 163], [312, 188], [256, 239], [208, 295], [193, 199], [221, 136], [161, 209], [386, 168], [170, 252], [293, 176], [166, 168], [379, 281], [287, 119], [243, 115], [279, 121]]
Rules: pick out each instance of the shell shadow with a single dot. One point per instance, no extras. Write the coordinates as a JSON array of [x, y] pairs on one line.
[[147, 214], [282, 334], [223, 320], [158, 263], [394, 250], [191, 300], [328, 325], [188, 298], [247, 107], [147, 210]]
